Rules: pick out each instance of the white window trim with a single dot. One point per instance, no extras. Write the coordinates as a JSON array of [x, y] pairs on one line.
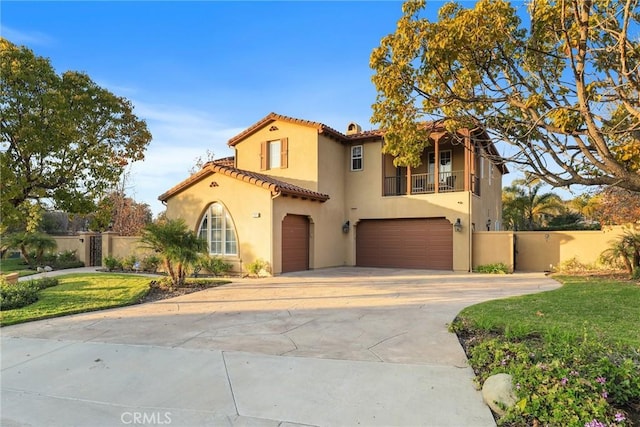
[[361, 157], [208, 215], [274, 159]]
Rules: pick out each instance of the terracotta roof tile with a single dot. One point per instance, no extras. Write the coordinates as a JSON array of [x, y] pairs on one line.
[[226, 161], [276, 186]]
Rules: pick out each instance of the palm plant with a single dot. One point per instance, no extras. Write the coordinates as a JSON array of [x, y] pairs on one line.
[[524, 207], [29, 244], [178, 247], [626, 249]]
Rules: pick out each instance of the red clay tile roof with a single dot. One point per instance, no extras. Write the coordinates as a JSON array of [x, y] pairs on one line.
[[226, 161], [276, 186], [271, 117]]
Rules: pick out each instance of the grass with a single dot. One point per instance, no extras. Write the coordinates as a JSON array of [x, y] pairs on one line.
[[601, 306], [13, 265], [573, 353], [78, 293]]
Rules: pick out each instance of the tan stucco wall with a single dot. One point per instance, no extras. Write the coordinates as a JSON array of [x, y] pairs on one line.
[[302, 167], [248, 205], [124, 246], [326, 240], [365, 201], [542, 250], [493, 247], [489, 204], [72, 243]]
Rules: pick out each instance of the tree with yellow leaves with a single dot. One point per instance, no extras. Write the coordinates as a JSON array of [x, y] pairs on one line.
[[560, 83]]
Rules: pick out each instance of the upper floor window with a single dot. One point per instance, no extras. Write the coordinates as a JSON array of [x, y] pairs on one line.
[[218, 230], [274, 154], [356, 158]]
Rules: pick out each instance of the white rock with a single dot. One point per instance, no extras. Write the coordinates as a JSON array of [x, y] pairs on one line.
[[39, 269], [497, 392], [47, 269]]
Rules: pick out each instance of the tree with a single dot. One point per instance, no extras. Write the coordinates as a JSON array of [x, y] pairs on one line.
[[121, 214], [526, 208], [616, 206], [564, 91], [178, 246], [65, 140]]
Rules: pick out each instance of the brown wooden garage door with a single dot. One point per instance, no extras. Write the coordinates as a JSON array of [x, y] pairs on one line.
[[405, 243], [295, 243]]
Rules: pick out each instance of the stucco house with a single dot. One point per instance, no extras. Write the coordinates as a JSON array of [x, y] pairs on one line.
[[301, 195]]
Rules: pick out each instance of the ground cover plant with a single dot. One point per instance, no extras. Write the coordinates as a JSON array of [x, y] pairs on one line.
[[573, 353]]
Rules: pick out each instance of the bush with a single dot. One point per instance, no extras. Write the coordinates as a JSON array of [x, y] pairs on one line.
[[17, 295], [151, 263], [128, 263], [45, 282], [112, 263], [574, 266], [254, 268], [560, 383], [214, 265], [498, 268]]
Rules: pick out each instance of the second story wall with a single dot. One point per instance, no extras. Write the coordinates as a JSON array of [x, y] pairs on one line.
[[296, 149], [488, 205]]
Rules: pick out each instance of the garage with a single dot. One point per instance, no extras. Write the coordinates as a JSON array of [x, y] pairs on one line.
[[295, 243], [425, 243]]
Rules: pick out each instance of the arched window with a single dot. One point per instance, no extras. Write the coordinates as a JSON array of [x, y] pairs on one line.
[[218, 230]]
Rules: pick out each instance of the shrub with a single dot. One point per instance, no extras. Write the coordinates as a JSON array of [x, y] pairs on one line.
[[151, 263], [45, 282], [254, 268], [560, 383], [67, 259], [214, 265], [129, 262], [112, 263], [498, 268], [67, 256], [17, 295], [574, 266]]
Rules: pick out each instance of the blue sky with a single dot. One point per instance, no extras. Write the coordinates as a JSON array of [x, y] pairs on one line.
[[201, 72]]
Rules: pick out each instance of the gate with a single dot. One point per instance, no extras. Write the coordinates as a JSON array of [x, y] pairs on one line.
[[95, 251], [515, 250]]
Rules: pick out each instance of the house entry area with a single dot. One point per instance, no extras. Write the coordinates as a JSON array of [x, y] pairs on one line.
[[295, 243], [425, 243]]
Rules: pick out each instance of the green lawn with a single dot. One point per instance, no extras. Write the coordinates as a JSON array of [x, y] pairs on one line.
[[79, 293], [573, 353], [12, 265], [598, 306]]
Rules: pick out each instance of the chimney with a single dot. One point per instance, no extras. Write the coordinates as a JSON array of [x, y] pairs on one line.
[[353, 128]]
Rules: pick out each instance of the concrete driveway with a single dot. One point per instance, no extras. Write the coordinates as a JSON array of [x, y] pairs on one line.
[[332, 347]]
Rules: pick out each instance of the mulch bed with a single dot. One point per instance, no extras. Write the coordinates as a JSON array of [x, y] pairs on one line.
[[159, 291]]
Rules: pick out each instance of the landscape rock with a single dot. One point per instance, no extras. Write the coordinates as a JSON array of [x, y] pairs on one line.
[[498, 393], [47, 269]]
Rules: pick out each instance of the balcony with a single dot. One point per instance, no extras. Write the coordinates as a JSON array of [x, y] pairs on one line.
[[424, 183]]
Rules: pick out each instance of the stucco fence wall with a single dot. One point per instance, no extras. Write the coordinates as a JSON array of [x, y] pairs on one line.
[[112, 245], [543, 250]]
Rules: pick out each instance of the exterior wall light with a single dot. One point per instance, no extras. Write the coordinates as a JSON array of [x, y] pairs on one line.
[[458, 225], [345, 227]]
